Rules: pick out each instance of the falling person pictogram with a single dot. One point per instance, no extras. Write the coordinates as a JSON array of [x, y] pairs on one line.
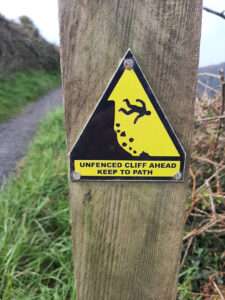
[[141, 110]]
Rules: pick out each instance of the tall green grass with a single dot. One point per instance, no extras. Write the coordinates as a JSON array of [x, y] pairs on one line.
[[19, 89], [35, 241]]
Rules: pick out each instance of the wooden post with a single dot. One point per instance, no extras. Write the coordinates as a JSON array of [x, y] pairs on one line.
[[127, 236]]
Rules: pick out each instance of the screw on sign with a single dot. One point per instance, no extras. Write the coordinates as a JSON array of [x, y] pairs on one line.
[[128, 113]]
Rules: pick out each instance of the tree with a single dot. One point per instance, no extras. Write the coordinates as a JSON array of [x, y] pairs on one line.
[[220, 14]]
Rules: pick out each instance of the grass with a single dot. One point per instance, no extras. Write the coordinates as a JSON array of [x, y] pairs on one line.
[[20, 89], [35, 240]]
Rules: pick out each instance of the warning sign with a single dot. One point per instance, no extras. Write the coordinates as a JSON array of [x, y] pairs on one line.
[[128, 136]]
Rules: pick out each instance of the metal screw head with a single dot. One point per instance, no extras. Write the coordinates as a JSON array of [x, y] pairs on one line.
[[75, 176], [177, 176], [128, 64]]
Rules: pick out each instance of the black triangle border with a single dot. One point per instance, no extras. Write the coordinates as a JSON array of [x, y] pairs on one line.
[[116, 77]]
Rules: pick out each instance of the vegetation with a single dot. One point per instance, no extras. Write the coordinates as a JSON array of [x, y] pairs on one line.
[[19, 89], [202, 274], [35, 240], [29, 65], [22, 48]]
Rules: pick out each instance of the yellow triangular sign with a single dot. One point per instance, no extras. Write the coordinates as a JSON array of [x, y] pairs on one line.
[[128, 136]]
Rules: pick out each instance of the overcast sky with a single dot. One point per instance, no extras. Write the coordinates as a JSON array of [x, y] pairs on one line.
[[45, 16]]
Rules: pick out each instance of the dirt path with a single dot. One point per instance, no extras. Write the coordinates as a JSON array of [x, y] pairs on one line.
[[16, 134]]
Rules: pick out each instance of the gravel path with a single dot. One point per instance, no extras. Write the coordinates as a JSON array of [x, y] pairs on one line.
[[16, 134]]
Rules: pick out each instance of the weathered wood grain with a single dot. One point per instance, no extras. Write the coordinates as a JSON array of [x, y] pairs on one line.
[[127, 236]]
